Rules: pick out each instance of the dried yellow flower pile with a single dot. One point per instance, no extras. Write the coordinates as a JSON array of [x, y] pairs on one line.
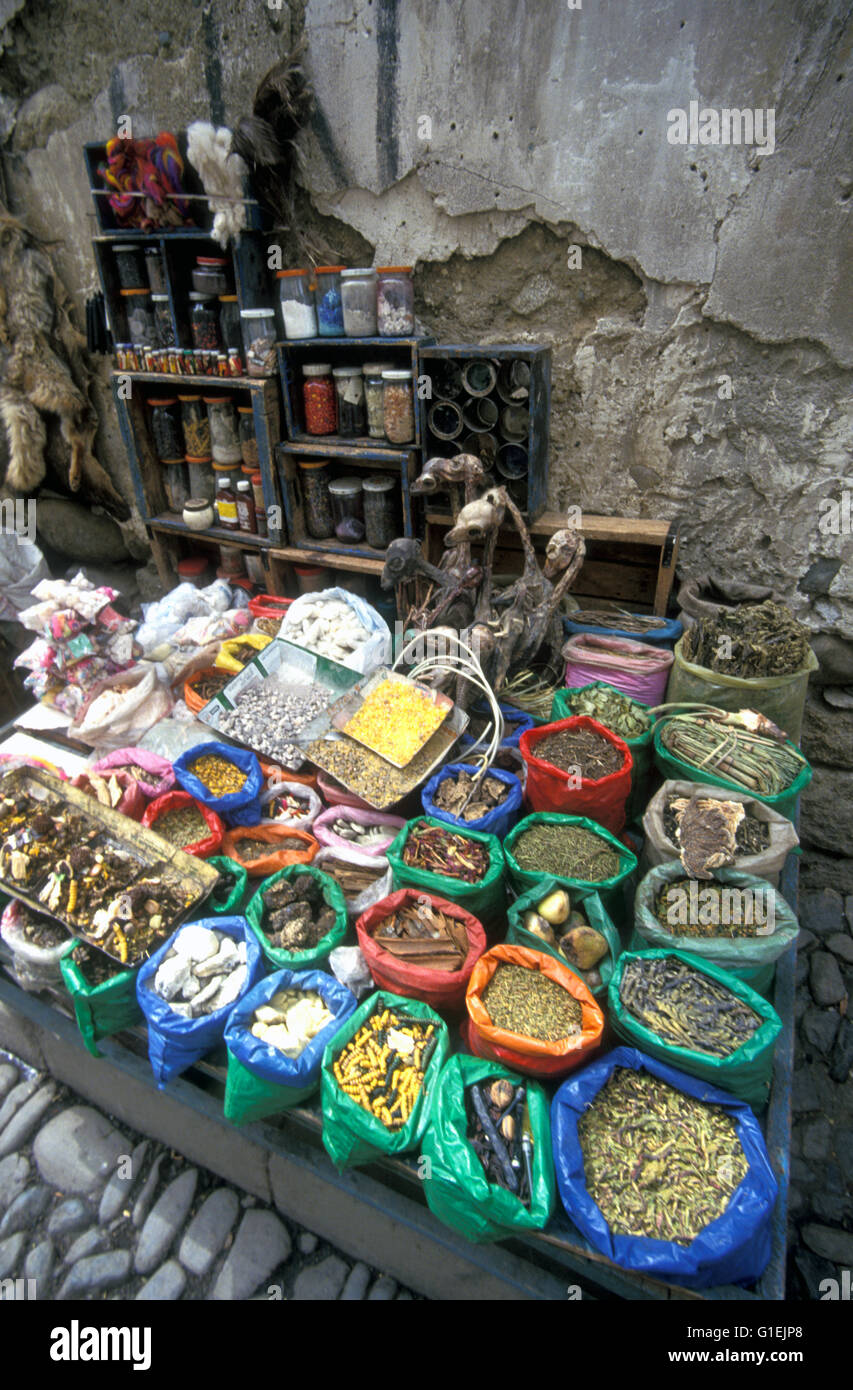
[[395, 720]]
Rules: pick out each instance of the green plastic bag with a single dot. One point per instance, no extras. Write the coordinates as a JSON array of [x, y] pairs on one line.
[[593, 909], [749, 958], [317, 956], [230, 906], [485, 899], [351, 1135], [455, 1185], [781, 698], [612, 891], [100, 1009], [562, 707], [249, 1097], [672, 768], [745, 1073]]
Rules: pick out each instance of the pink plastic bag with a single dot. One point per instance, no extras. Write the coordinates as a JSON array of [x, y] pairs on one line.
[[336, 795], [636, 668], [161, 779], [322, 829]]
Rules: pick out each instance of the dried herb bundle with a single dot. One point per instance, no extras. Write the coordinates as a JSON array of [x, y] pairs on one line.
[[756, 639], [444, 852], [566, 851], [527, 1003], [568, 749], [657, 1162], [688, 908], [612, 709]]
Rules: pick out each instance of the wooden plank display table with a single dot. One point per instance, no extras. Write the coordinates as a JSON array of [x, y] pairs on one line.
[[630, 561]]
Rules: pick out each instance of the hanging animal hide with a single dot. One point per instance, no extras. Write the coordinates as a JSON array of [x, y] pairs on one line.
[[266, 138], [42, 372]]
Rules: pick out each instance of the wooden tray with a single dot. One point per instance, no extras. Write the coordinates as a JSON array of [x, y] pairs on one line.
[[153, 854]]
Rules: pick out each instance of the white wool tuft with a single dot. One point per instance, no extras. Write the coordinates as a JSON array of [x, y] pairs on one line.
[[222, 174]]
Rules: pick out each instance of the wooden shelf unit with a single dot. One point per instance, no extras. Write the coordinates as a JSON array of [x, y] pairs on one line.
[[630, 561]]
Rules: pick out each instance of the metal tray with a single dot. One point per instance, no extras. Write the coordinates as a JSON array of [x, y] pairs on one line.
[[346, 709], [401, 781], [153, 854], [305, 667]]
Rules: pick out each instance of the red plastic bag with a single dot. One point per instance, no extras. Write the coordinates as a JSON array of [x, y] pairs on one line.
[[202, 849], [270, 835], [530, 1056], [133, 799], [548, 788], [443, 989], [161, 777]]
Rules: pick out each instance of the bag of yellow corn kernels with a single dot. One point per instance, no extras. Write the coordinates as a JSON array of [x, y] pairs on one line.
[[351, 1134]]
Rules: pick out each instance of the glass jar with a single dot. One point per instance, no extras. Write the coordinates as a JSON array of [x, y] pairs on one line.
[[230, 563], [327, 298], [140, 317], [155, 269], [201, 477], [176, 484], [316, 501], [395, 301], [246, 507], [398, 407], [259, 340], [248, 438], [195, 425], [211, 274], [318, 395], [381, 521], [199, 513], [226, 504], [166, 430], [347, 508], [224, 430], [163, 321], [349, 388], [204, 322], [130, 264], [229, 327], [297, 304], [372, 372], [358, 295]]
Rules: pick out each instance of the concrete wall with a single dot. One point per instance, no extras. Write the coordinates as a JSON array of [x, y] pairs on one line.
[[702, 349]]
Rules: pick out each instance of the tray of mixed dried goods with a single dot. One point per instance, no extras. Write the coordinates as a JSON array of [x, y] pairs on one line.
[[391, 715], [107, 879]]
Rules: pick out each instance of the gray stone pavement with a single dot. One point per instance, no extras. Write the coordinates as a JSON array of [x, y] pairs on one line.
[[90, 1210]]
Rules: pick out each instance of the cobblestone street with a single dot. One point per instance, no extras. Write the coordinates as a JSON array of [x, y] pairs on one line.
[[92, 1211]]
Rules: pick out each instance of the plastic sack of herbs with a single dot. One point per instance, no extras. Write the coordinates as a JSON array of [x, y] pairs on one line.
[[226, 779]]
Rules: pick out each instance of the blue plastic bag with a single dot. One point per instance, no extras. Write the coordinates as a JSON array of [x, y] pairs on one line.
[[516, 722], [236, 808], [268, 1062], [734, 1249], [174, 1043], [665, 636], [496, 822]]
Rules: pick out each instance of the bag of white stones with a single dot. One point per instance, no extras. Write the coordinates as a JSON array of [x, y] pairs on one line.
[[275, 1038], [188, 988]]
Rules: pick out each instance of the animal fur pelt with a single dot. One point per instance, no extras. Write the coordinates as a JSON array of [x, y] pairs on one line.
[[266, 139], [222, 172], [42, 372]]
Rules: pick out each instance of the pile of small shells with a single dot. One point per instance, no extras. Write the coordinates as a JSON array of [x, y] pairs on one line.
[[205, 970], [329, 627], [267, 719], [362, 835]]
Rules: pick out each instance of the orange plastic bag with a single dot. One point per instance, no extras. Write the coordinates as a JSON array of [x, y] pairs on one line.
[[548, 788], [192, 700], [271, 835], [530, 1056], [274, 772]]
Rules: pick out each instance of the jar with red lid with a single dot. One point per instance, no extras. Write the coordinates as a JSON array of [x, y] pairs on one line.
[[163, 321], [316, 499], [298, 314], [141, 329], [212, 274], [166, 429], [230, 562], [248, 438], [327, 298], [195, 569], [224, 429], [318, 395]]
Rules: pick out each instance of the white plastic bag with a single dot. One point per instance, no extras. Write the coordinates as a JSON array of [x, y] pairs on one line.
[[300, 789], [123, 709], [376, 892], [36, 967], [375, 651], [350, 968], [22, 565]]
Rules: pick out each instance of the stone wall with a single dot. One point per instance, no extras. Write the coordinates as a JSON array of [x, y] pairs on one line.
[[702, 347]]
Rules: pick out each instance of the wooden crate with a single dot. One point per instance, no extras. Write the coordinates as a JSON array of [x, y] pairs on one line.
[[529, 492], [630, 563]]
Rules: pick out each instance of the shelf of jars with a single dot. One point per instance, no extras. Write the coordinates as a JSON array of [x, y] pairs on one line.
[[350, 502]]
